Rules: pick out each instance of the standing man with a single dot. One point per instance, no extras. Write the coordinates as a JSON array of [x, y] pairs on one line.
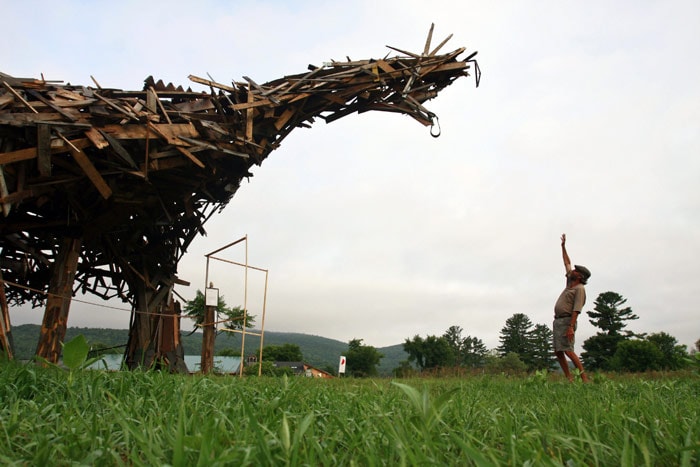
[[566, 311]]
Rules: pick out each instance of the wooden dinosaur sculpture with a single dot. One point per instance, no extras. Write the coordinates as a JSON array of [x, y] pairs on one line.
[[102, 190]]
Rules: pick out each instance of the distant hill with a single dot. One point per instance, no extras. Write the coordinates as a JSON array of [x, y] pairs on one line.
[[318, 351]]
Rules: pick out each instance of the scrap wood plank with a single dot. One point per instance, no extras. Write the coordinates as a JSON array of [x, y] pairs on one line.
[[70, 95], [170, 132], [17, 196], [43, 149], [115, 106], [260, 89], [249, 115], [6, 99], [251, 104], [190, 156], [138, 131], [31, 153], [284, 118], [6, 205], [93, 174], [196, 105], [119, 149], [22, 119], [37, 95], [211, 83], [17, 95], [96, 138], [214, 147]]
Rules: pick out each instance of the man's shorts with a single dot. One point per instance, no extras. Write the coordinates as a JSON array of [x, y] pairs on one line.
[[561, 342]]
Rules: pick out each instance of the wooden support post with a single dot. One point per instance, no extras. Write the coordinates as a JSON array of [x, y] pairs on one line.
[[170, 348], [207, 363], [6, 345], [54, 325], [139, 349]]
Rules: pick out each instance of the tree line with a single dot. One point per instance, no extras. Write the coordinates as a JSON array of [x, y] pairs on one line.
[[525, 346]]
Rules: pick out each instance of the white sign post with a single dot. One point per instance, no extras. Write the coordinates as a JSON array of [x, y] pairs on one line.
[[341, 366]]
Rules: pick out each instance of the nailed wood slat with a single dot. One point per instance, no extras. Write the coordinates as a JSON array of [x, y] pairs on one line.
[[21, 99], [43, 149], [93, 174]]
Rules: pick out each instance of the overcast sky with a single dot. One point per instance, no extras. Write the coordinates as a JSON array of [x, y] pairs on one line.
[[586, 121]]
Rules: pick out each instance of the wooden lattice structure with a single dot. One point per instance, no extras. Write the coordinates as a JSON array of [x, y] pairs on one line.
[[102, 190]]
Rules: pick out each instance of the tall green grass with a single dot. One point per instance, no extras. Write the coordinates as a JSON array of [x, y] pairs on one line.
[[151, 418]]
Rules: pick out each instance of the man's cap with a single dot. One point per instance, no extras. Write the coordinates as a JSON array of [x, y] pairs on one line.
[[584, 272]]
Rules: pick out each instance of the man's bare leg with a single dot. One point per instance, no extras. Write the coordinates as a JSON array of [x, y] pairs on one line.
[[577, 363], [561, 358]]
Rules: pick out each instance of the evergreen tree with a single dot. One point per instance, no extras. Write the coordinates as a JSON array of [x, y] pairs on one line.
[[516, 338], [610, 317], [542, 349], [454, 339], [474, 352], [196, 308], [282, 353], [599, 350]]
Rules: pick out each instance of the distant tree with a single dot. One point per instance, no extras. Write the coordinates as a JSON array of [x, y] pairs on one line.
[[196, 308], [510, 364], [609, 315], [431, 352], [330, 369], [229, 352], [674, 355], [404, 370], [599, 350], [474, 352], [267, 369], [637, 355], [283, 353], [541, 339], [454, 339], [516, 338], [362, 360]]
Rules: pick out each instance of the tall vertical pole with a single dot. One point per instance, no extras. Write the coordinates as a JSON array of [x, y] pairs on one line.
[[245, 309], [208, 330], [262, 326], [207, 362]]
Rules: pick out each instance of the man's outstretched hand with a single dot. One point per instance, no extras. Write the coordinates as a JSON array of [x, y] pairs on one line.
[[563, 239]]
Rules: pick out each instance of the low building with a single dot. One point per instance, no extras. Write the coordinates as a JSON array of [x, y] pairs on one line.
[[303, 369]]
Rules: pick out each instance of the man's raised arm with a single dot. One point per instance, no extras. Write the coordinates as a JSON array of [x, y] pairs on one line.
[[567, 261]]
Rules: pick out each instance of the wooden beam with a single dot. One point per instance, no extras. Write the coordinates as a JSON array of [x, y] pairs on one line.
[[284, 118], [31, 153], [43, 149], [6, 204], [133, 131], [93, 174], [55, 322], [21, 99], [249, 114]]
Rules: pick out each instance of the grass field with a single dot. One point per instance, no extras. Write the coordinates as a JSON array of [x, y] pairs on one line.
[[53, 417]]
